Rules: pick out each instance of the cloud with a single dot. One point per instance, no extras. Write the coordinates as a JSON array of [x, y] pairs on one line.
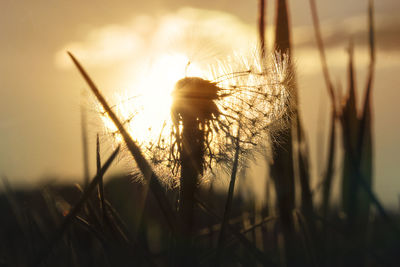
[[204, 35], [339, 33], [197, 32], [103, 46]]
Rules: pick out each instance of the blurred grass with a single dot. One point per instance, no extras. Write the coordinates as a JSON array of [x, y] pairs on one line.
[[122, 225]]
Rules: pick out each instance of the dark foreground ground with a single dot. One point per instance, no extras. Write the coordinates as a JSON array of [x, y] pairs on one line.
[[33, 232]]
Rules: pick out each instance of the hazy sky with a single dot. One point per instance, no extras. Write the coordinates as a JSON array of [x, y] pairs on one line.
[[41, 94]]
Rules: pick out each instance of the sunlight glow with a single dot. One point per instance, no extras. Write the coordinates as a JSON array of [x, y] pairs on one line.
[[249, 97], [228, 89], [147, 113]]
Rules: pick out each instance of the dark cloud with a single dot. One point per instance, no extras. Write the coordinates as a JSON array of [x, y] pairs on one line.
[[339, 33]]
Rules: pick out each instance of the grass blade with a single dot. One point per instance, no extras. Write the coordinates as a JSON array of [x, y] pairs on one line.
[[228, 206], [142, 163], [304, 174], [101, 186], [321, 50], [350, 123], [250, 247], [261, 28], [364, 145], [77, 208], [85, 147], [353, 159], [282, 168], [327, 182]]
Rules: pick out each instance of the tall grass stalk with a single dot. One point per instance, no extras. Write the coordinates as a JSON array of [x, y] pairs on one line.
[[142, 163], [262, 5], [282, 169], [329, 168]]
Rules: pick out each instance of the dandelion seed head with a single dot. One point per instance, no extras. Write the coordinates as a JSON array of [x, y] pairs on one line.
[[236, 92]]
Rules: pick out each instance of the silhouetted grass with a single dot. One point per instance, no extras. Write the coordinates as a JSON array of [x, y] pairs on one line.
[[70, 227], [142, 163]]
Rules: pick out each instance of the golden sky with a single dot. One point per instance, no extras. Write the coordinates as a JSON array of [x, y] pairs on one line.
[[117, 41]]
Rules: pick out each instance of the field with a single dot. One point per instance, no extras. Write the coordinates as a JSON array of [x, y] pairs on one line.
[[170, 210]]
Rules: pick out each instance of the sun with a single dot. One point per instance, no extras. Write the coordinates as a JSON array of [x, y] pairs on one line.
[[145, 106]]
